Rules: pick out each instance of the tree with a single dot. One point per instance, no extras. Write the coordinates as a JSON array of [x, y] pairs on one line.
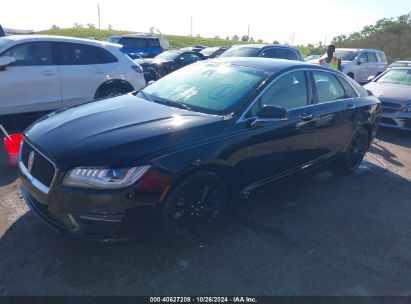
[[217, 37], [54, 27], [91, 26], [251, 39], [78, 25], [227, 38], [110, 27], [235, 37], [276, 42], [260, 40], [245, 38]]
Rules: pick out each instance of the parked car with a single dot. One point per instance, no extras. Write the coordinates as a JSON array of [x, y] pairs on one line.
[[2, 33], [263, 50], [166, 63], [393, 88], [360, 64], [401, 63], [41, 73], [137, 47], [312, 58], [182, 145], [213, 52]]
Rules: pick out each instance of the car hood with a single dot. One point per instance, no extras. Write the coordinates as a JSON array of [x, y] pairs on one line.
[[390, 92], [152, 61], [118, 131]]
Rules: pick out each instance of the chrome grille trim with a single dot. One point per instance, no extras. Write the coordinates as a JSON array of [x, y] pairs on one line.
[[36, 183]]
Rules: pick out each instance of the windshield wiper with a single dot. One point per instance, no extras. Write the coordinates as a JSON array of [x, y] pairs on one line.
[[172, 103]]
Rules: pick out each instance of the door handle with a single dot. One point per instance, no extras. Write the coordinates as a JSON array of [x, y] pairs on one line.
[[350, 107], [306, 117], [49, 73]]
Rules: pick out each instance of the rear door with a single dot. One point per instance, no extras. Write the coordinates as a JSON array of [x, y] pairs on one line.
[[82, 71], [334, 110], [363, 70], [32, 83], [372, 64]]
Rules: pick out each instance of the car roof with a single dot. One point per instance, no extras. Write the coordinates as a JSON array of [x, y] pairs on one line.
[[261, 46], [28, 38], [270, 65], [354, 49]]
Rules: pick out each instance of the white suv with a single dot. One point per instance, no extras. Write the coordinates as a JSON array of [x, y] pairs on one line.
[[360, 64], [43, 73]]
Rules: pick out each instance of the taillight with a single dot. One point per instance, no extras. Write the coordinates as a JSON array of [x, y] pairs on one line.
[[137, 68]]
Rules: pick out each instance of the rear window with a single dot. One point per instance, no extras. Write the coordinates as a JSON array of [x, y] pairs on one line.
[[241, 52], [138, 43], [281, 53]]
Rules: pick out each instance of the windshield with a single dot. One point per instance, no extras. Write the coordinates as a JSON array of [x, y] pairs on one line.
[[209, 51], [402, 76], [346, 55], [241, 52], [168, 55], [312, 57], [4, 41], [209, 88]]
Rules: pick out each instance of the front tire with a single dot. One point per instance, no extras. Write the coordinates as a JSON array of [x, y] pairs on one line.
[[194, 208], [355, 152]]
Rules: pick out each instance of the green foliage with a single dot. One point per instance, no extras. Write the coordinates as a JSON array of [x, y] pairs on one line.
[[393, 36], [176, 42]]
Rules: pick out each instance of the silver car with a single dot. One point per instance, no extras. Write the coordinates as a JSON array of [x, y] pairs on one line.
[[360, 64], [393, 88]]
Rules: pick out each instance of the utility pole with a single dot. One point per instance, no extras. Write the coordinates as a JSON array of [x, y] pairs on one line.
[[191, 31], [248, 31], [292, 38], [98, 11], [325, 39]]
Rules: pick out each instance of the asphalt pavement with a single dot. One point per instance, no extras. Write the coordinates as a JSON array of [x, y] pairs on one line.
[[323, 235]]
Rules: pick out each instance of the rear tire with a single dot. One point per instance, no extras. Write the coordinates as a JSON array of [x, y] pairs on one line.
[[194, 208], [355, 153]]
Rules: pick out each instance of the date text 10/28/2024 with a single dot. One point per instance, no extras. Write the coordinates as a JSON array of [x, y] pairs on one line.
[[203, 300]]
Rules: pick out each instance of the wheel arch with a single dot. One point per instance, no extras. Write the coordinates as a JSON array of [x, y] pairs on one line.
[[114, 82]]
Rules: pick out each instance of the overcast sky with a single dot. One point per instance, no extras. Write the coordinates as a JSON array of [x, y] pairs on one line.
[[271, 20]]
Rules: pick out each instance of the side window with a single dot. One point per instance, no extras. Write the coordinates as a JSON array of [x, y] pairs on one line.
[[153, 42], [328, 87], [189, 58], [288, 91], [274, 53], [291, 55], [351, 93], [381, 57], [78, 54], [372, 57], [105, 56], [364, 57], [31, 54]]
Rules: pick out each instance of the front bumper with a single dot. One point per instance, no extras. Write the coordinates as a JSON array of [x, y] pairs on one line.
[[400, 120]]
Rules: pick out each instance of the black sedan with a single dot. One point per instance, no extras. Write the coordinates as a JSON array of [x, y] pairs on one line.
[[185, 144], [167, 62]]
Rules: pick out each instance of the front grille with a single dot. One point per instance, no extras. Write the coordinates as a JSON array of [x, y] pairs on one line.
[[406, 122], [43, 211], [42, 169]]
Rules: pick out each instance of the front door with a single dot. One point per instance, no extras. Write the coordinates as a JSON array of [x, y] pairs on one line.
[[32, 83], [279, 146]]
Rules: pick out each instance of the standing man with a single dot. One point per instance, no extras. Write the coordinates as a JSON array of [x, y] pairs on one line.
[[330, 61]]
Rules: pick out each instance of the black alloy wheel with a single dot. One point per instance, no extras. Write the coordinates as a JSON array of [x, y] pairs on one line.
[[194, 208], [355, 152]]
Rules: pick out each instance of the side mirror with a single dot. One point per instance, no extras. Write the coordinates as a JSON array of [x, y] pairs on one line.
[[361, 60], [6, 60], [272, 112], [370, 78]]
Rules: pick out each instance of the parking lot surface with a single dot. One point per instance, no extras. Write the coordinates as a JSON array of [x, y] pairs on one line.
[[324, 235]]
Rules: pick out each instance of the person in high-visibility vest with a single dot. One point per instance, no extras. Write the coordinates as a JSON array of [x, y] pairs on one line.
[[330, 61]]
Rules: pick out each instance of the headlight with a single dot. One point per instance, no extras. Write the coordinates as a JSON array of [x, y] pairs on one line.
[[407, 108], [103, 178]]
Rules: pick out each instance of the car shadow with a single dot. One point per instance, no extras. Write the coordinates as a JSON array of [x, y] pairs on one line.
[[395, 136], [7, 174], [328, 234]]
